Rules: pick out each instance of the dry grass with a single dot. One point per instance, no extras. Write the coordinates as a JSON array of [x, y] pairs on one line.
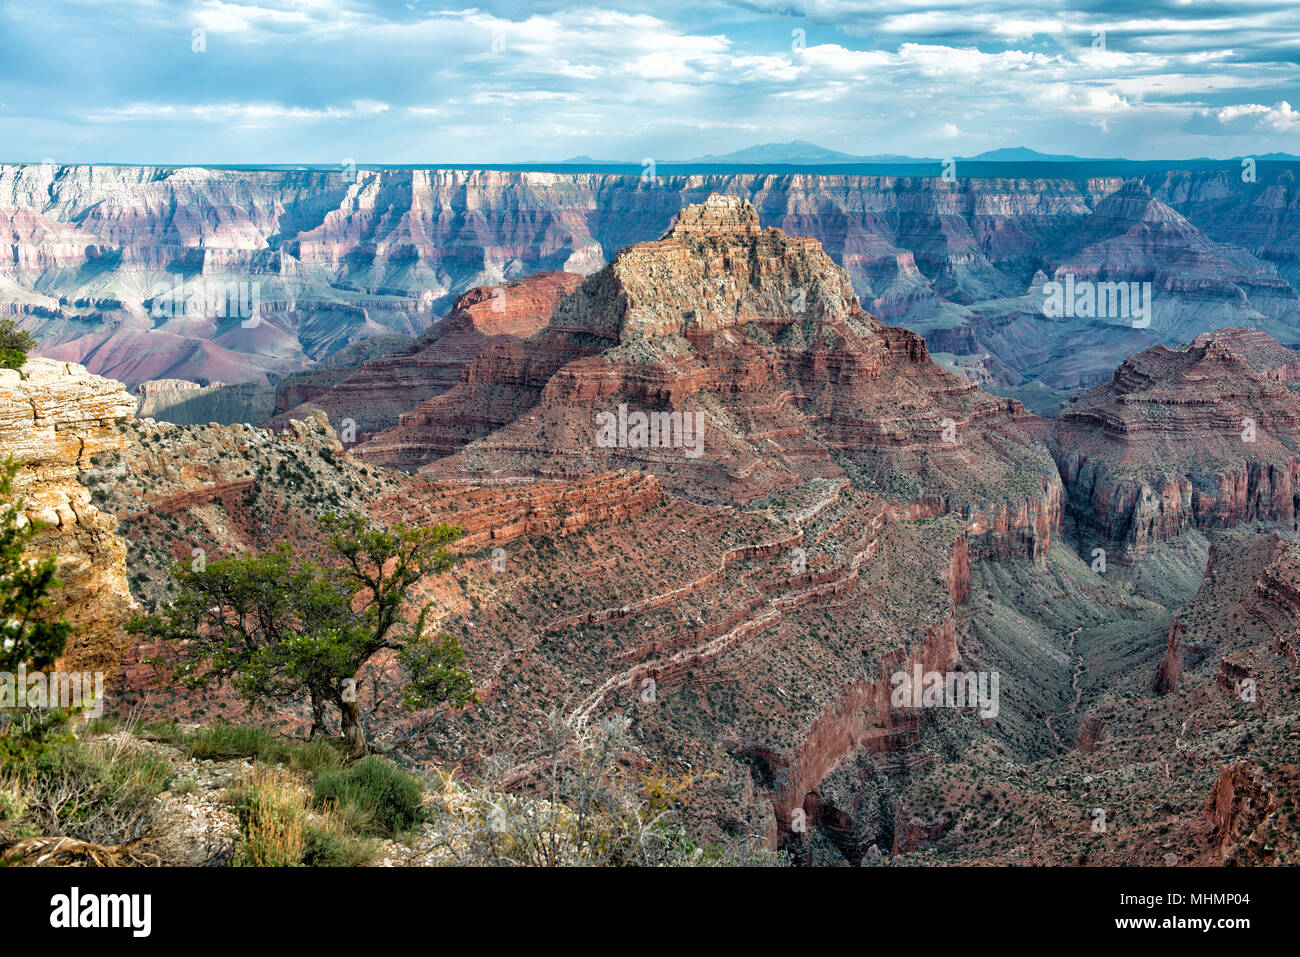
[[272, 812]]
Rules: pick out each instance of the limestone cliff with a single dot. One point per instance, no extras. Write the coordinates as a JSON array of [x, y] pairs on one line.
[[53, 417]]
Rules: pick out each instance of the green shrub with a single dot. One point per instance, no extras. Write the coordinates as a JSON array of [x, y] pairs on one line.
[[374, 796], [15, 343], [328, 843]]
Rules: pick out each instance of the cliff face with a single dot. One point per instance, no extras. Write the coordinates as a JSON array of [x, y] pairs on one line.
[[1193, 437], [375, 395], [187, 403], [53, 418]]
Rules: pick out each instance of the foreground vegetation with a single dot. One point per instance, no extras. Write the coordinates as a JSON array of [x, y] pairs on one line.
[[276, 627], [15, 343], [96, 798]]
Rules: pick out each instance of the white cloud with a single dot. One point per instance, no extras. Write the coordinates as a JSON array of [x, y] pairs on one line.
[[1280, 118], [236, 112]]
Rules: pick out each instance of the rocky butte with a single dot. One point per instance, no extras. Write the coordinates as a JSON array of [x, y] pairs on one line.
[[1206, 436], [758, 337]]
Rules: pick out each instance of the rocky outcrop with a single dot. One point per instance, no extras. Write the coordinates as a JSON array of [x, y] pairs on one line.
[[54, 417], [1277, 601], [1170, 670], [1261, 352], [861, 717], [1195, 437], [1244, 811]]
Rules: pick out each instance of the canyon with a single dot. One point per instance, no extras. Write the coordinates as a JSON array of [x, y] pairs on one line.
[[857, 508], [96, 254]]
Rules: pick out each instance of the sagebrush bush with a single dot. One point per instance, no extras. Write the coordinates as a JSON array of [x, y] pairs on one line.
[[101, 791], [374, 796]]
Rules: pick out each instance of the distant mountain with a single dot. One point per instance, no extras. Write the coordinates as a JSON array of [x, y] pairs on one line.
[[804, 153], [796, 151], [800, 153], [1023, 154]]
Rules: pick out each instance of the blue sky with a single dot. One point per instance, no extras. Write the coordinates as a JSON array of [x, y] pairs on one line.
[[310, 81]]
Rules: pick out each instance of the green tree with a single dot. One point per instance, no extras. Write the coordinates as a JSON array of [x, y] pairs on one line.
[[15, 343], [278, 627], [28, 635]]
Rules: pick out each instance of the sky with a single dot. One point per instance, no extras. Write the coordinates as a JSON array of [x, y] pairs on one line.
[[421, 82]]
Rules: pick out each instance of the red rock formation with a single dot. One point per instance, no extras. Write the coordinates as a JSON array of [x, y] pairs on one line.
[[761, 335], [1194, 437], [861, 716], [1261, 351], [1170, 671], [1246, 816], [374, 396], [1277, 599]]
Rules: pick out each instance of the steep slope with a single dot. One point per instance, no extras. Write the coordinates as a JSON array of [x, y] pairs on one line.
[[374, 396]]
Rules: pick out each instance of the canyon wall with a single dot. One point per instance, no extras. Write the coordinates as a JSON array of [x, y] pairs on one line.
[[96, 254], [1197, 437]]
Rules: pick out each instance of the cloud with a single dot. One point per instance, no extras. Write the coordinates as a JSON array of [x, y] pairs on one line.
[[236, 112], [427, 81], [1239, 118]]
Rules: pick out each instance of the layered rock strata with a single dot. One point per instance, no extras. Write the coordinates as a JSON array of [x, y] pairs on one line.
[[1195, 437], [54, 417]]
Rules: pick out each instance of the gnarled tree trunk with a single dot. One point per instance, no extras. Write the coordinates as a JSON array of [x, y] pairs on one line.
[[354, 735], [318, 727]]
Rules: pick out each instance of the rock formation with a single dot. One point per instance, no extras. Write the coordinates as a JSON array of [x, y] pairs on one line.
[[375, 395], [752, 345], [54, 418], [1182, 438]]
